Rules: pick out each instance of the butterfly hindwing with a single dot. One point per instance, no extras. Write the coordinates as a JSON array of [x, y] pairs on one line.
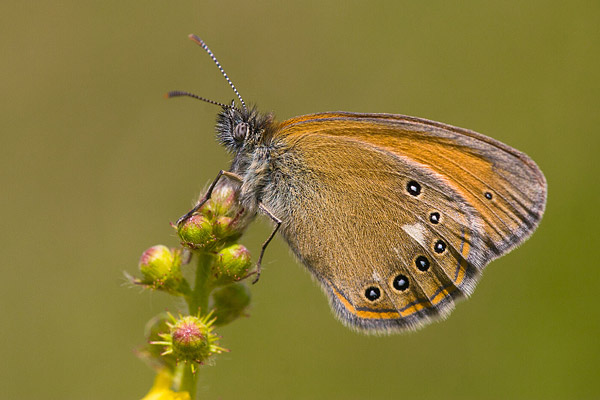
[[393, 238]]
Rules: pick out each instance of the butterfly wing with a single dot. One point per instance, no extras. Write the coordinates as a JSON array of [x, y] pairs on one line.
[[397, 216]]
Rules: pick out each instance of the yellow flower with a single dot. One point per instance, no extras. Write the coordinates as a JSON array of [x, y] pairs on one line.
[[161, 390]]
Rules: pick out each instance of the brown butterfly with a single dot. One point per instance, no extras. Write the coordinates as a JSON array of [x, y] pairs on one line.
[[395, 216]]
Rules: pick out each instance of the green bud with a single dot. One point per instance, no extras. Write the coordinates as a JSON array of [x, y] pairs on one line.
[[231, 264], [222, 201], [197, 233], [230, 302], [151, 354], [227, 229], [160, 267], [156, 262]]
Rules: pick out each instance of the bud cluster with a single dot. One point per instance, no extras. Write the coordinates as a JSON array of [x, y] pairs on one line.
[[220, 221], [213, 229], [210, 235]]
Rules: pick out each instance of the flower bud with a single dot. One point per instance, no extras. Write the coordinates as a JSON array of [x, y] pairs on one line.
[[152, 354], [160, 267], [196, 233], [191, 339], [222, 201], [227, 229], [231, 264], [230, 302]]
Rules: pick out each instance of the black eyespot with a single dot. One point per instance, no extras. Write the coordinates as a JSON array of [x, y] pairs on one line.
[[413, 188], [488, 195], [240, 131], [400, 283], [372, 293], [422, 263], [439, 246], [434, 217]]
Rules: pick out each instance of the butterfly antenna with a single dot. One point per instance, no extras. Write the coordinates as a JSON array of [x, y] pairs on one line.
[[179, 93], [201, 43]]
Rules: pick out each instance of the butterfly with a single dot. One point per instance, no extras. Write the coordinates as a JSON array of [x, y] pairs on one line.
[[395, 216]]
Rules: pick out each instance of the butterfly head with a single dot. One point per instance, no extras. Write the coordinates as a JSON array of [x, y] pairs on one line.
[[241, 131]]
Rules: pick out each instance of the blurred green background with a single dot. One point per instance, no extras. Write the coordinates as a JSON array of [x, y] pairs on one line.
[[95, 163]]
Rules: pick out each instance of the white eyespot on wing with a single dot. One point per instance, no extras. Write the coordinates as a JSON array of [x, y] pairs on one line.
[[417, 232]]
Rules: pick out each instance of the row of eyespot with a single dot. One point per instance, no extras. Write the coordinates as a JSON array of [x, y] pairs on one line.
[[401, 282]]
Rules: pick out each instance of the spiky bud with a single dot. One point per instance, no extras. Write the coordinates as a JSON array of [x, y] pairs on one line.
[[191, 339]]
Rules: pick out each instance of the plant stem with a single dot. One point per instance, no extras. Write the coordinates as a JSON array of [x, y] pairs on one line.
[[187, 379], [197, 305], [199, 298]]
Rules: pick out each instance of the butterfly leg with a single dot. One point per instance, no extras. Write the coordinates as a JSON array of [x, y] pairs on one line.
[[266, 243], [206, 197]]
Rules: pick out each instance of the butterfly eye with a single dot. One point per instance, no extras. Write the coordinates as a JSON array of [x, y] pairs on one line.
[[372, 293], [240, 131]]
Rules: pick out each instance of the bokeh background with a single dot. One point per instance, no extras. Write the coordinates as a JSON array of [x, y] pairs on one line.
[[95, 163]]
